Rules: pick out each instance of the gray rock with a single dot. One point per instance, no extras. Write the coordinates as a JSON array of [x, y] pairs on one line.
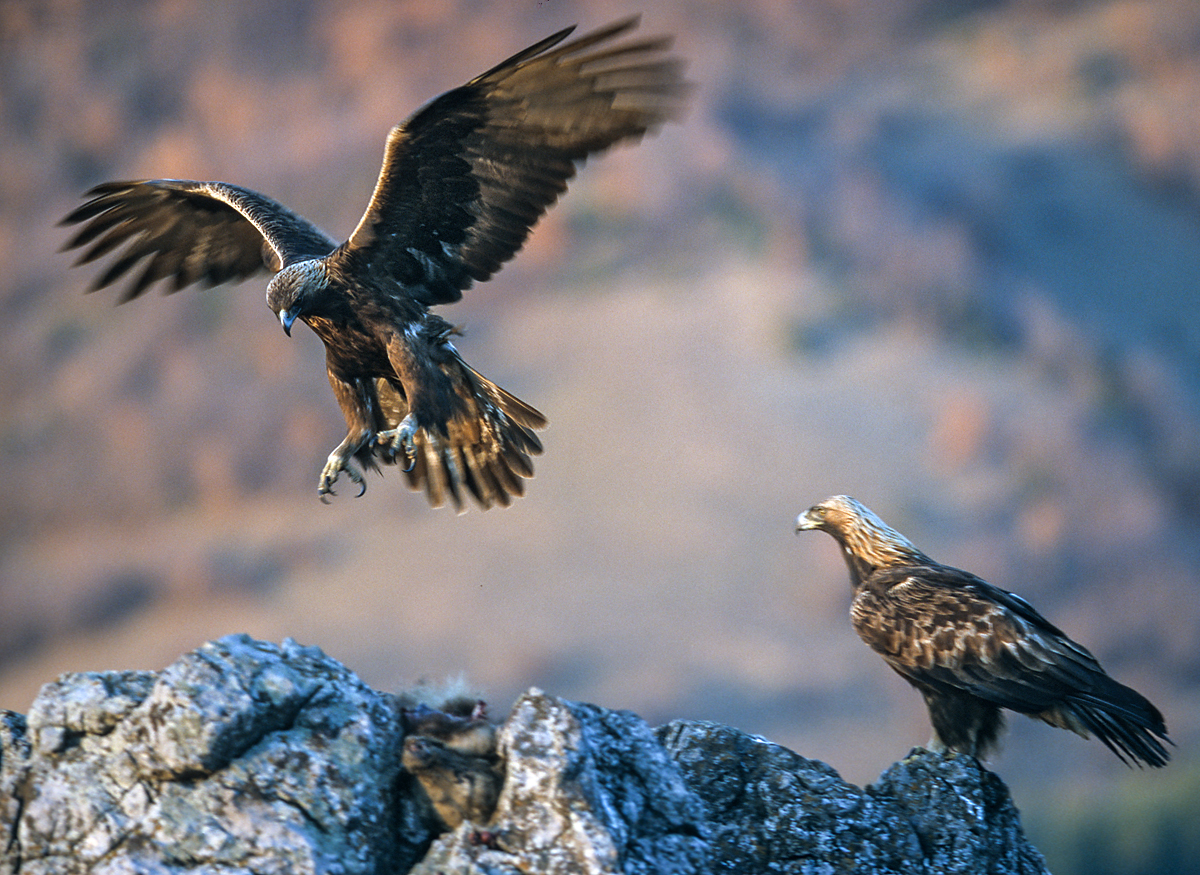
[[241, 756], [14, 766], [962, 814], [771, 810], [586, 791], [250, 757]]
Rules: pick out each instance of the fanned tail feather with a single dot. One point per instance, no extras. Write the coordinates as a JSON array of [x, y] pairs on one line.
[[485, 450], [1129, 741]]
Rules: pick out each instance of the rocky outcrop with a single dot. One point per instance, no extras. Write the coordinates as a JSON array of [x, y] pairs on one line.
[[251, 757]]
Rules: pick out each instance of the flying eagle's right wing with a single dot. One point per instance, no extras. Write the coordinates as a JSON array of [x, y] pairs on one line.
[[465, 178], [188, 231]]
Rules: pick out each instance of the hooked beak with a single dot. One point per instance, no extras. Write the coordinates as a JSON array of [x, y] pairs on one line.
[[805, 522], [286, 318]]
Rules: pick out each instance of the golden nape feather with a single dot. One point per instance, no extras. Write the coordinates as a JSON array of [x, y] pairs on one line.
[[973, 649]]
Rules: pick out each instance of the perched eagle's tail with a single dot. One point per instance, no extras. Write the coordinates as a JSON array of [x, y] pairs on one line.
[[482, 447], [1122, 718]]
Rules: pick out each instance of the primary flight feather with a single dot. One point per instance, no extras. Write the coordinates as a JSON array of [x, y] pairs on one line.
[[462, 184]]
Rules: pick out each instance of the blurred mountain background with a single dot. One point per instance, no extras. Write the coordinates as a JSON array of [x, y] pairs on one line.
[[942, 255]]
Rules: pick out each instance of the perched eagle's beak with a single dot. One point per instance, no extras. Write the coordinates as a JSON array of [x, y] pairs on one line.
[[286, 318], [805, 522]]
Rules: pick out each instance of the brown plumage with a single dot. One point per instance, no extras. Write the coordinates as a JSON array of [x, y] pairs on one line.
[[972, 648], [452, 754], [463, 181]]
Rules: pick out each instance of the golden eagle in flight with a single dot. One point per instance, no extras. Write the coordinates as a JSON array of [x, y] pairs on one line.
[[972, 648], [463, 182]]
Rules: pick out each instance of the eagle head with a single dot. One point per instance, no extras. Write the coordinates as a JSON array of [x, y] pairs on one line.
[[836, 514], [295, 291], [862, 534]]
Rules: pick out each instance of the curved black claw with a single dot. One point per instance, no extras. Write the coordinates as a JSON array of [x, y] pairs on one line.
[[401, 439], [324, 492], [334, 466]]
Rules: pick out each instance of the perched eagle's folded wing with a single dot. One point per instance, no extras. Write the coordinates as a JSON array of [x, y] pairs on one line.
[[189, 231], [964, 633]]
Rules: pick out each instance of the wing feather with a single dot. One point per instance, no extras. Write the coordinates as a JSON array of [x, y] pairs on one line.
[[975, 637], [465, 179], [189, 231]]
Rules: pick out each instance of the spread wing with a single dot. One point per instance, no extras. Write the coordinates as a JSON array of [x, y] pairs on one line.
[[466, 178], [944, 626], [188, 232]]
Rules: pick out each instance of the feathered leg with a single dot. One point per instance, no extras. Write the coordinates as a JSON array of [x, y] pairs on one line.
[[962, 722], [357, 400], [459, 429]]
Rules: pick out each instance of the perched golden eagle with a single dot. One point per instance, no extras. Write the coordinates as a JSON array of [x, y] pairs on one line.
[[463, 182], [972, 648]]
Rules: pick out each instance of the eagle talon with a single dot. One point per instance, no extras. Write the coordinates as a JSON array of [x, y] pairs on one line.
[[400, 440], [329, 475]]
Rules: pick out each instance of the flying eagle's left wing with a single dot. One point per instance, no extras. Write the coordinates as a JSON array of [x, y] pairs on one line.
[[466, 178], [189, 231]]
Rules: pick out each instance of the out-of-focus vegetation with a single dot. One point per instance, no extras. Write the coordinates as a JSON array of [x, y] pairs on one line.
[[1131, 828]]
